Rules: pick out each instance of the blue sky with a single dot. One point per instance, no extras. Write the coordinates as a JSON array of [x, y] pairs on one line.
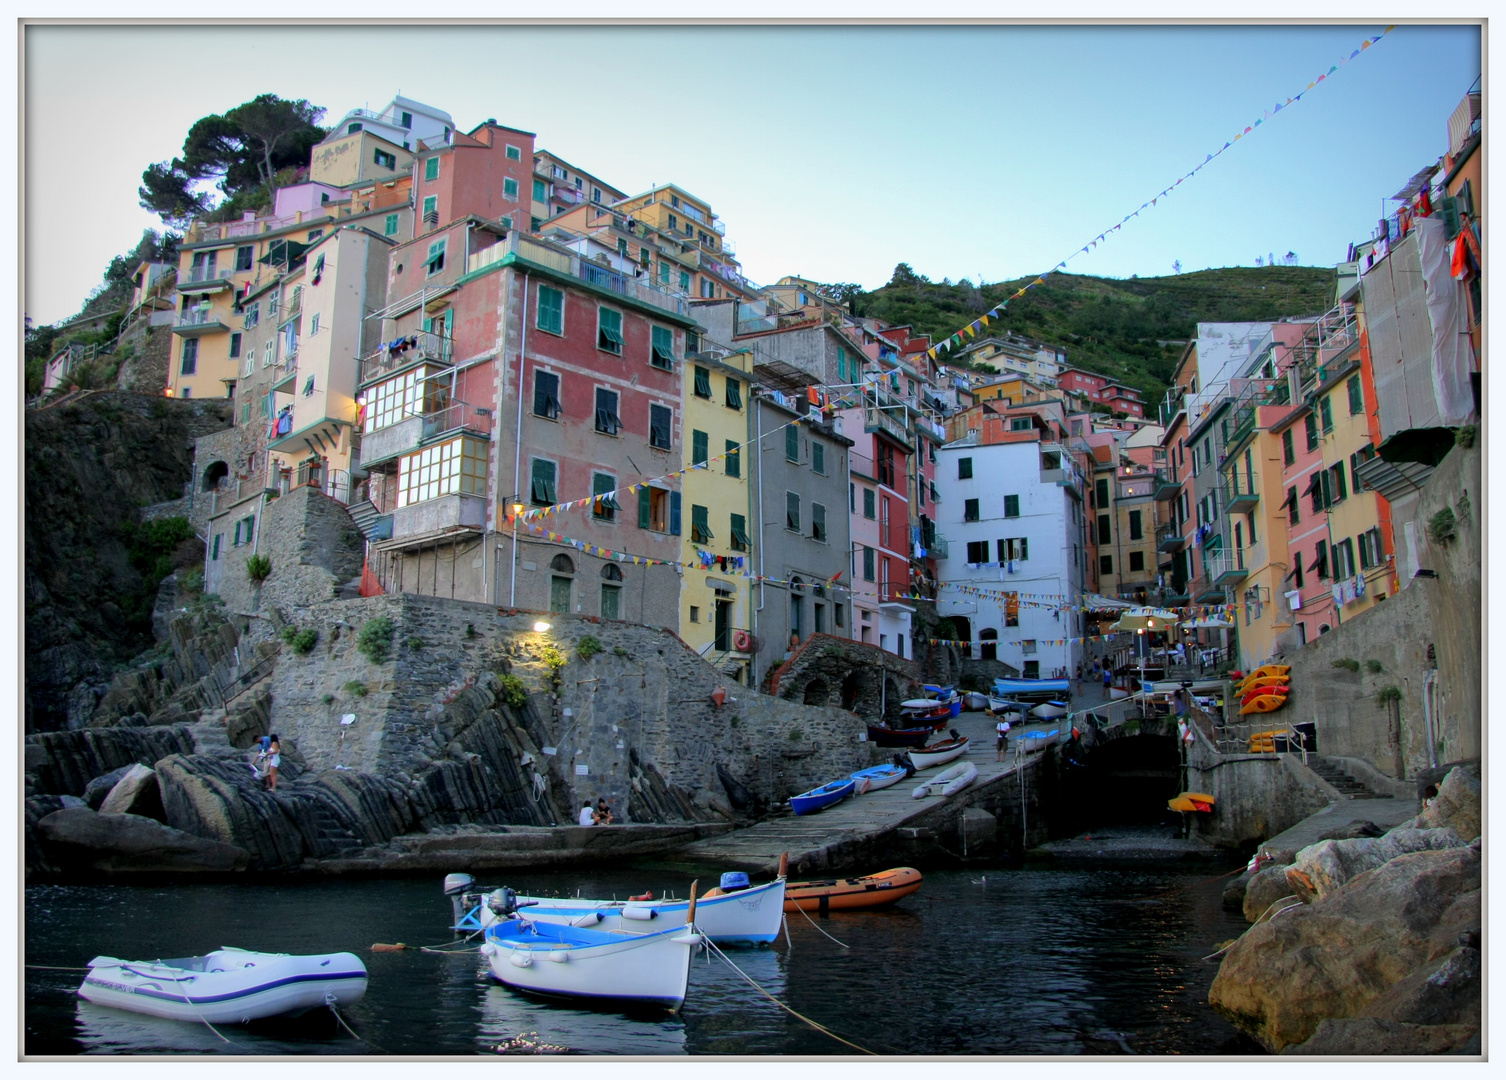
[[831, 152]]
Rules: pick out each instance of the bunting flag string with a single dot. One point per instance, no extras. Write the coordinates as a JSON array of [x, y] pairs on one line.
[[971, 330]]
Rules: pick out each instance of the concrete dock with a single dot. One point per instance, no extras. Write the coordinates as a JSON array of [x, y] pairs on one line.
[[1384, 813], [882, 824]]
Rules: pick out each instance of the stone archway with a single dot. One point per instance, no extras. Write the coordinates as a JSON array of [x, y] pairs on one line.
[[853, 688], [217, 472], [816, 692]]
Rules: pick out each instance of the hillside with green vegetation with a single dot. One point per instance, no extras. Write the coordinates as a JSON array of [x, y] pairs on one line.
[[1130, 329]]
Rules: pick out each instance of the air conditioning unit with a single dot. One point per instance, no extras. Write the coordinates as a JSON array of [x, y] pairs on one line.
[[742, 641]]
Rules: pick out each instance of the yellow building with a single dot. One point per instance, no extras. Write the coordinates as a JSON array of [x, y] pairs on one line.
[[715, 592], [673, 212], [1257, 563], [1014, 391], [357, 157]]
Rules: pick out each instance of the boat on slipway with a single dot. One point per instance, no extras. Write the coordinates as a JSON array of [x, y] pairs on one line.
[[877, 778], [948, 781], [939, 753], [820, 798], [227, 986]]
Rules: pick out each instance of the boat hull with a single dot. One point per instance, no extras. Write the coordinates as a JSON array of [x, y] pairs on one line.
[[746, 917], [1008, 687], [1049, 710], [822, 797], [948, 781], [938, 755], [896, 737], [565, 962], [234, 986], [849, 894], [876, 778]]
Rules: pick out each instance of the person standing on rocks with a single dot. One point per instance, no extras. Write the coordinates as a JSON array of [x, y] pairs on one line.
[[274, 759]]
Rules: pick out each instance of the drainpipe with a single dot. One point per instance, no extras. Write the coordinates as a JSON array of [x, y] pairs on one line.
[[1429, 689], [517, 461], [758, 461]]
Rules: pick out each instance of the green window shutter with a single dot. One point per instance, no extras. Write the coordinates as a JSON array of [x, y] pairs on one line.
[[645, 508], [700, 448], [510, 188], [700, 530], [663, 348], [1338, 480], [702, 383], [792, 443], [237, 542], [867, 564], [841, 364], [389, 227], [664, 273], [740, 541], [818, 521], [1356, 396], [1325, 407], [431, 169], [1011, 506], [431, 205], [674, 512], [964, 468], [870, 509], [792, 511], [1310, 423], [551, 310], [540, 194], [542, 489], [733, 459], [1288, 451], [818, 458], [684, 279], [609, 330], [734, 394], [215, 554]]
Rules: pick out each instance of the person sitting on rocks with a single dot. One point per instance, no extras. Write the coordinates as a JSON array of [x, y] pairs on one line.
[[603, 812], [587, 814]]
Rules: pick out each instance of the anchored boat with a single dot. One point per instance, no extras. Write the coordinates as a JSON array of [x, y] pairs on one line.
[[228, 986], [846, 894]]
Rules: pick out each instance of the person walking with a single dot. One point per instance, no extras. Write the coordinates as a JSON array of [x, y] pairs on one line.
[[1001, 744], [274, 759]]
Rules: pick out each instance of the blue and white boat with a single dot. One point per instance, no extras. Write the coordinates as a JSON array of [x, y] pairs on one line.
[[734, 913], [1050, 710], [877, 778], [228, 986], [822, 797], [1023, 687]]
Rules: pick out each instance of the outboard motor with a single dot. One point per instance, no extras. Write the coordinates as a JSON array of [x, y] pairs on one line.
[[455, 886], [734, 881], [504, 903]]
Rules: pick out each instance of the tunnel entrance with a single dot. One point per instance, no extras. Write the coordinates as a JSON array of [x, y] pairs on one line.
[[1124, 782]]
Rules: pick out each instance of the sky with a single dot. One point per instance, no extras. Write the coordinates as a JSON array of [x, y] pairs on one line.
[[830, 152]]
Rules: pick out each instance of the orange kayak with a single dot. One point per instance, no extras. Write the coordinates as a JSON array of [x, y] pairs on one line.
[[1263, 703], [845, 894]]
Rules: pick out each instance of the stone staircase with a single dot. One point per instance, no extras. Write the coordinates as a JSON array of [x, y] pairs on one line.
[[1336, 775], [210, 738]]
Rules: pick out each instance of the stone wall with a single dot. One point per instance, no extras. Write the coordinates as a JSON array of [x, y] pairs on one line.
[[847, 674], [1257, 795], [146, 371], [313, 545]]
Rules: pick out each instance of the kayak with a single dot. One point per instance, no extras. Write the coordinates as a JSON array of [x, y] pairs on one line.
[[845, 894], [1264, 703]]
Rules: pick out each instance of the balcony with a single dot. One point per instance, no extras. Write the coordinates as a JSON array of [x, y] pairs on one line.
[[415, 347], [408, 435], [1168, 539], [877, 419], [203, 278], [1239, 493], [563, 261], [1226, 569], [448, 516], [199, 323], [938, 548], [1207, 592], [1172, 404], [862, 464], [1139, 485], [284, 374], [1166, 488]]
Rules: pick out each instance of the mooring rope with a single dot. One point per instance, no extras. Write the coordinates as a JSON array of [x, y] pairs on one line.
[[813, 923], [1256, 923], [343, 1024], [50, 967], [201, 1016], [824, 1030]]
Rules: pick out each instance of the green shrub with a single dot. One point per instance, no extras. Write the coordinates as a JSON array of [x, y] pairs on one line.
[[356, 688], [328, 699], [190, 581], [1387, 694], [300, 641], [555, 661], [470, 630], [618, 650], [375, 639], [1374, 667], [1347, 664], [513, 692], [1466, 435], [1441, 526], [796, 734], [415, 643], [258, 568], [735, 721], [588, 647]]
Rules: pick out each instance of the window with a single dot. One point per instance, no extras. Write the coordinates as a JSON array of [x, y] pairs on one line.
[[551, 316], [1011, 506], [1288, 452], [977, 551], [703, 384], [607, 420], [1136, 532], [1292, 514], [513, 153], [1356, 396], [541, 492], [1137, 561], [546, 395], [1105, 536], [457, 467], [435, 261], [740, 541], [1325, 410], [841, 364], [664, 273], [215, 550], [1356, 459], [868, 573], [253, 315], [792, 443], [351, 129], [1019, 423], [431, 168], [313, 326], [733, 459], [389, 227], [190, 357], [540, 192], [407, 120], [734, 394], [605, 507], [1101, 491], [609, 330], [659, 510], [244, 257], [964, 468], [818, 522], [244, 530], [700, 448], [970, 510], [235, 344], [1297, 570], [700, 531], [1105, 564], [506, 220], [1016, 548], [684, 280], [869, 504], [1320, 559], [1372, 551], [1343, 559], [663, 355], [509, 188], [385, 160], [792, 511], [611, 597], [431, 207], [818, 458], [659, 420]]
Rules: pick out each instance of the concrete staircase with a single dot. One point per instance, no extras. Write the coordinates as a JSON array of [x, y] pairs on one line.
[[1340, 778], [364, 514]]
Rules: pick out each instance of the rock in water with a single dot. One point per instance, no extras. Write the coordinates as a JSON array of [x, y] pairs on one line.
[[1364, 1036], [1328, 864], [1332, 958], [82, 839], [1457, 806], [135, 793]]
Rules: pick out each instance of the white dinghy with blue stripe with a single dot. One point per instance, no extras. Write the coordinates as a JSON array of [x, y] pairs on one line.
[[228, 986]]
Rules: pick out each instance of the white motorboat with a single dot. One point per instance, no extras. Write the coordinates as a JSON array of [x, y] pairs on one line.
[[1049, 710], [564, 961], [939, 753], [948, 781], [227, 986], [973, 701]]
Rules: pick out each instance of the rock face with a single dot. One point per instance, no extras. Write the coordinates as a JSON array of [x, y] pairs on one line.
[[1457, 805], [1325, 866], [135, 793], [64, 762], [1333, 958], [83, 839], [98, 788]]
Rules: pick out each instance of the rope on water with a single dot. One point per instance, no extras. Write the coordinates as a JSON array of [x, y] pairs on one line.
[[201, 1016], [813, 923], [343, 1024], [787, 942], [50, 967], [445, 949], [824, 1030]]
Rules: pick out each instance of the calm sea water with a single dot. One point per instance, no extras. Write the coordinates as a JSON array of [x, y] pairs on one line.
[[994, 960]]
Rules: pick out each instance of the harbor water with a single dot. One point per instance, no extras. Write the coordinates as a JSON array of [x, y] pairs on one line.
[[1067, 959]]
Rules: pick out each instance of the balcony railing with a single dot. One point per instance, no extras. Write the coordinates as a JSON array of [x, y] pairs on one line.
[[565, 261], [862, 463], [1169, 538], [203, 273], [194, 323], [419, 345], [878, 419], [1226, 568], [938, 548], [458, 416], [1240, 493]]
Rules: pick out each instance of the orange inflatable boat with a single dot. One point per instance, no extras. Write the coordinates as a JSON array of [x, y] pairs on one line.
[[846, 894]]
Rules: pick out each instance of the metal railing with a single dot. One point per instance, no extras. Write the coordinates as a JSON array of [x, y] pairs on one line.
[[1140, 485], [1225, 563], [203, 272], [458, 416], [231, 492], [421, 345], [565, 261], [200, 318]]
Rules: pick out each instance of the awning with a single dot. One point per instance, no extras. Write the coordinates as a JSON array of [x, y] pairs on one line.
[[1208, 623]]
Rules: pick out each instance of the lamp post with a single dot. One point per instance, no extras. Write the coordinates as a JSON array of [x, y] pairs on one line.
[[512, 587]]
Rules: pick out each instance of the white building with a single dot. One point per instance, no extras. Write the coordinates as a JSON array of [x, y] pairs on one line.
[[1012, 514], [403, 122]]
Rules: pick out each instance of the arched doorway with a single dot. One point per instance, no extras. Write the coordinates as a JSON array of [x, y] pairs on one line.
[[217, 472], [988, 644], [816, 692], [852, 689], [561, 580]]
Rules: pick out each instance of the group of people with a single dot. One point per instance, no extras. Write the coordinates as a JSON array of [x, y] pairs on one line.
[[600, 814], [268, 758]]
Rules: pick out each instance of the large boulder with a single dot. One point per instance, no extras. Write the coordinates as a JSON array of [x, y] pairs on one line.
[[1456, 806], [96, 790], [1334, 957], [135, 793], [1263, 890], [80, 839], [35, 809], [1328, 864], [224, 801], [1365, 1036]]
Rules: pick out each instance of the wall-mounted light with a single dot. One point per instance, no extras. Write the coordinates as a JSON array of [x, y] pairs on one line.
[[540, 627]]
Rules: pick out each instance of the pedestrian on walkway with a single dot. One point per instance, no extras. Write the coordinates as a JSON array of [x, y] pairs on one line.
[[1001, 744]]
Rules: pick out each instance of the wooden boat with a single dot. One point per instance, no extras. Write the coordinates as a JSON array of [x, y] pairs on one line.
[[1050, 710], [822, 797], [876, 778], [558, 960], [1013, 711], [1033, 741], [912, 736], [226, 986], [948, 781], [846, 894], [1264, 703], [1008, 687], [1118, 693], [974, 701], [939, 753]]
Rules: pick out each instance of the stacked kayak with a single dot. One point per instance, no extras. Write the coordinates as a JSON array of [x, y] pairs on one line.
[[1264, 689], [1192, 802]]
